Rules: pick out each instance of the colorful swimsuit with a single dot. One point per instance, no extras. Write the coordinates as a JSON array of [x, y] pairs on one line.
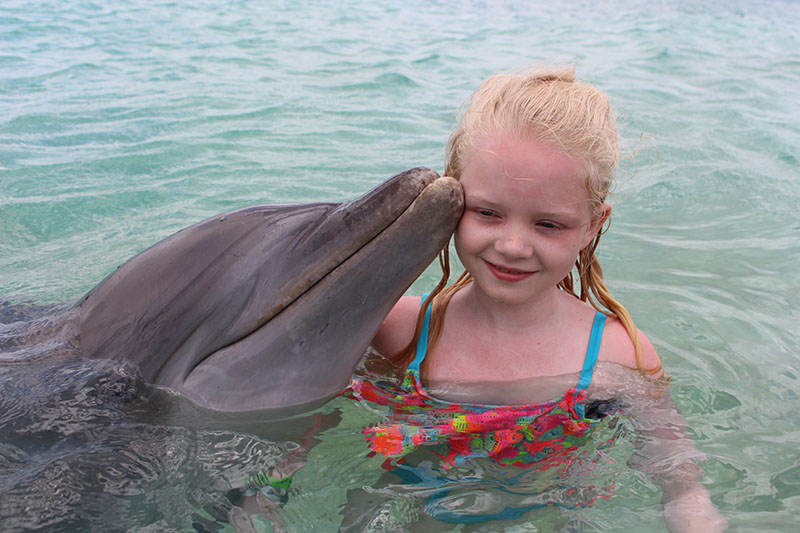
[[522, 435]]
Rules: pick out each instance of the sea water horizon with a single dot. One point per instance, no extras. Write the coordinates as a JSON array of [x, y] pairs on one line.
[[123, 122]]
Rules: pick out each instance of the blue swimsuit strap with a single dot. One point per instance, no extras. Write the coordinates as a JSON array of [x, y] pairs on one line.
[[592, 350], [588, 364], [422, 342]]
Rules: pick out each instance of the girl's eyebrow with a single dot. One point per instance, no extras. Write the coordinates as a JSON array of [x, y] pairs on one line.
[[471, 199], [476, 197]]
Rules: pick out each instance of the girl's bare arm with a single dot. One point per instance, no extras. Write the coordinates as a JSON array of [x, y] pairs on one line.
[[670, 458]]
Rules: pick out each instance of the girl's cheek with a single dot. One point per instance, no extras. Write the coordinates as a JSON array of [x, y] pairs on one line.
[[468, 227]]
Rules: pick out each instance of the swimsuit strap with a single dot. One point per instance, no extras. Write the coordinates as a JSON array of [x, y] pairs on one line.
[[422, 342], [592, 350]]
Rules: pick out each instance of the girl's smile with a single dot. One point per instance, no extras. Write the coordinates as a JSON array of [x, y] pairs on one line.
[[526, 218], [511, 275]]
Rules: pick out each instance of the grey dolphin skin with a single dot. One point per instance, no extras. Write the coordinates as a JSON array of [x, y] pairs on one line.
[[270, 306]]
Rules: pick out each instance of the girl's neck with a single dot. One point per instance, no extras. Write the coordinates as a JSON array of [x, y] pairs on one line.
[[543, 310]]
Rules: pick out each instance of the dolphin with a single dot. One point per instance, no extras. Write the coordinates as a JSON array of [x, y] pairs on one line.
[[272, 306]]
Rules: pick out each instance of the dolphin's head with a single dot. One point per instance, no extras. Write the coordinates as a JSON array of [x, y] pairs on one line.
[[271, 306]]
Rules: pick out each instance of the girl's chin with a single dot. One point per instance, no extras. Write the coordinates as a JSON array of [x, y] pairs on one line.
[[512, 293], [507, 298]]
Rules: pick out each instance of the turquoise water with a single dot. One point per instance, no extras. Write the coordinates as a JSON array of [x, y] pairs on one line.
[[122, 122]]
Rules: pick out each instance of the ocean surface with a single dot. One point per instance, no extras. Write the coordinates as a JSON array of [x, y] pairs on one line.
[[122, 122]]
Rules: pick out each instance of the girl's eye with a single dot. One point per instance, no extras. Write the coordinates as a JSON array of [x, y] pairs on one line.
[[486, 213], [548, 225]]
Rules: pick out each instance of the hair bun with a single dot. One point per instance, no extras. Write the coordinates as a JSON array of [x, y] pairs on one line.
[[543, 74]]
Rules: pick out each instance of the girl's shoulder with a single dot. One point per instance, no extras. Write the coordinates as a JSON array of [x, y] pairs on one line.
[[617, 347], [398, 327]]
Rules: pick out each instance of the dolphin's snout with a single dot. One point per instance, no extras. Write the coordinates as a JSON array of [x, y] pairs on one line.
[[445, 197], [449, 188]]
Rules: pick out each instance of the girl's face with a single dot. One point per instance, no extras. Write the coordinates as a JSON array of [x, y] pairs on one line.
[[526, 217]]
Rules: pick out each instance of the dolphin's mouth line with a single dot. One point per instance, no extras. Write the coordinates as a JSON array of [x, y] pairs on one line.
[[312, 285]]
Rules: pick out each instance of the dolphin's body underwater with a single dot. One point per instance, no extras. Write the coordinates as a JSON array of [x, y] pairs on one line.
[[270, 306]]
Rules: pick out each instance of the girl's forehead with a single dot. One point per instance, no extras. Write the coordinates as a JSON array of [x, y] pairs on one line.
[[523, 159], [514, 170], [523, 153]]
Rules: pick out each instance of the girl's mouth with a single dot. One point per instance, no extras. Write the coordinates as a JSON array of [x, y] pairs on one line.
[[507, 274]]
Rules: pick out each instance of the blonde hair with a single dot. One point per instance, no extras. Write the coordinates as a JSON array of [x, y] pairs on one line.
[[547, 106]]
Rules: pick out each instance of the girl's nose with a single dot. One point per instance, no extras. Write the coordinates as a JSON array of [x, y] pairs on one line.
[[514, 245]]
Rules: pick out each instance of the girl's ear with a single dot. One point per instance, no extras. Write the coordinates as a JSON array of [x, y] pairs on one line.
[[596, 225]]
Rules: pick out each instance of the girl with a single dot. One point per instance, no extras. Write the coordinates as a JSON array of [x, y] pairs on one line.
[[513, 349]]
